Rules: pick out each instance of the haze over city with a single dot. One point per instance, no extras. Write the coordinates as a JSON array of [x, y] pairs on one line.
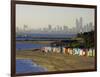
[[36, 18]]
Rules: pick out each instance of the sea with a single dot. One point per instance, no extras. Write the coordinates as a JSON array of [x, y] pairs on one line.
[[28, 66], [39, 37]]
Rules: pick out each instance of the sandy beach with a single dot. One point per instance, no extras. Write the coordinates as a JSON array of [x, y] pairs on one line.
[[58, 61]]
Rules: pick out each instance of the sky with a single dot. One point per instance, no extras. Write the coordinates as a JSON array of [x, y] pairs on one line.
[[39, 16]]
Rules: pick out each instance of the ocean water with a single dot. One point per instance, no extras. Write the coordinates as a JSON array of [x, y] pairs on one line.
[[28, 66], [38, 37], [28, 46], [48, 35], [44, 36]]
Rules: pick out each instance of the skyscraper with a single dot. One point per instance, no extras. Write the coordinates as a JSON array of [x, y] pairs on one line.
[[81, 24], [49, 27], [65, 28], [77, 26], [25, 28]]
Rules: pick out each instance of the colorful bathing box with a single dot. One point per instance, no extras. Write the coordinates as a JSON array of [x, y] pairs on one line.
[[70, 51]]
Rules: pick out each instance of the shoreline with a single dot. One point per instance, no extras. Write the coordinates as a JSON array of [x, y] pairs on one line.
[[58, 61]]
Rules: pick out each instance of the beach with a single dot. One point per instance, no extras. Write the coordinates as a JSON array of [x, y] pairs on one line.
[[57, 61]]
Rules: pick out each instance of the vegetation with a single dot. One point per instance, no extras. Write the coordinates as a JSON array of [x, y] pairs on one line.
[[84, 40], [88, 39]]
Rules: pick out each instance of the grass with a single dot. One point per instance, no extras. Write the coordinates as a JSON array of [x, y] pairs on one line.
[[58, 61]]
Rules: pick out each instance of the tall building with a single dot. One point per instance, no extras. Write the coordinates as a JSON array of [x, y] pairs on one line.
[[77, 23], [65, 28], [25, 27], [49, 27], [77, 26], [81, 24]]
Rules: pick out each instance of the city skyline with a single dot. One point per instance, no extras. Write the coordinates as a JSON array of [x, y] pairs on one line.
[[79, 28], [36, 16]]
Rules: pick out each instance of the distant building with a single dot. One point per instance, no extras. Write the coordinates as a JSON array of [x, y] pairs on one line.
[[49, 27], [79, 25], [65, 28], [25, 28]]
